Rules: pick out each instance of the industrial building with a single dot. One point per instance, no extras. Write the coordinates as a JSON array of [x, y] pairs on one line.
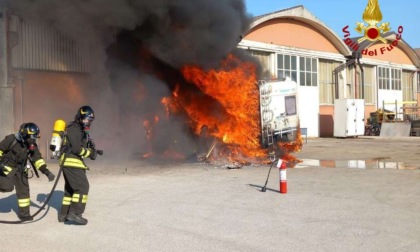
[[292, 42], [44, 74], [295, 43]]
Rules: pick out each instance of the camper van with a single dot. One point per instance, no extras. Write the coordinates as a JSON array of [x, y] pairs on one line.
[[279, 111]]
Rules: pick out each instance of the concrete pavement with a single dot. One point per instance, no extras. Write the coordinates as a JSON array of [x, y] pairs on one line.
[[135, 206]]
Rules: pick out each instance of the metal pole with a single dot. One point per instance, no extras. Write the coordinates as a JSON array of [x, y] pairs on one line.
[[363, 77]]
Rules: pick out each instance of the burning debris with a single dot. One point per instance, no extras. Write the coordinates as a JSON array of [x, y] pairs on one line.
[[174, 71]]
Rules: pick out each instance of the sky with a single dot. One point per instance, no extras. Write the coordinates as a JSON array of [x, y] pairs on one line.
[[337, 14]]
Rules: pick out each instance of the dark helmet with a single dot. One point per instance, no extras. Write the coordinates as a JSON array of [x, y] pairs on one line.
[[85, 116], [29, 131]]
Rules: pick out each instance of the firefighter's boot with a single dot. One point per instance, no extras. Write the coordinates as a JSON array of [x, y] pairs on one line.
[[62, 215], [25, 218], [24, 214], [62, 218], [77, 219]]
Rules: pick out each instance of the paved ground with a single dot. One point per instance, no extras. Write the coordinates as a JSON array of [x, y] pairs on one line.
[[134, 206]]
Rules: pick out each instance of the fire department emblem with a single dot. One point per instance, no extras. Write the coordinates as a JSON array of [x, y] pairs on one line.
[[372, 16]]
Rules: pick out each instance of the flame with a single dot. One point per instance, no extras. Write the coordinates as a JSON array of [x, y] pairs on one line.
[[148, 154], [372, 14], [166, 101], [290, 147], [234, 88], [225, 102]]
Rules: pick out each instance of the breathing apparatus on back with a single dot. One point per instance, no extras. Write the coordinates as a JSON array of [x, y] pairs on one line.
[[57, 137]]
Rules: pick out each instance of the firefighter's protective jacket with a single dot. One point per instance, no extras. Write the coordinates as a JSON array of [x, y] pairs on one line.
[[13, 154], [75, 147]]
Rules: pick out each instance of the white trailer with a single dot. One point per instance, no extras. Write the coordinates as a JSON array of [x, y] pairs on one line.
[[279, 111]]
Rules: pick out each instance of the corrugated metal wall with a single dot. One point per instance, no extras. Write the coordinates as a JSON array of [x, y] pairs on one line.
[[39, 46]]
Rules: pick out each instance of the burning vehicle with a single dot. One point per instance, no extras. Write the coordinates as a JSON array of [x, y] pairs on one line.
[[232, 116], [221, 113], [279, 113]]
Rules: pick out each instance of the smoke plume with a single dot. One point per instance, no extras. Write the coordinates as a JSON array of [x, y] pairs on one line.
[[177, 32], [139, 47]]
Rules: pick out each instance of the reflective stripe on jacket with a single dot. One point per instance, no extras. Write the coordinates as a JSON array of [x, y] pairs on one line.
[[7, 170], [76, 140], [14, 153]]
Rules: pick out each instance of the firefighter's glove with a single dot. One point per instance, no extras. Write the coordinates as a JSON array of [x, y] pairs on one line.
[[47, 173], [50, 176], [93, 154]]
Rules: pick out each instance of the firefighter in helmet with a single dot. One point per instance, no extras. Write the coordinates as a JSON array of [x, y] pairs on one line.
[[15, 151], [77, 145]]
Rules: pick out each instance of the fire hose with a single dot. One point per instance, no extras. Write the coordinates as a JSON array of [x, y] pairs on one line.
[[268, 175], [45, 202]]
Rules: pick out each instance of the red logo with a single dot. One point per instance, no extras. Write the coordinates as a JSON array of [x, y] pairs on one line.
[[372, 31]]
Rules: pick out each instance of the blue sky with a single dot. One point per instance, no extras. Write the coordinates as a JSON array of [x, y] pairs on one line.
[[336, 14]]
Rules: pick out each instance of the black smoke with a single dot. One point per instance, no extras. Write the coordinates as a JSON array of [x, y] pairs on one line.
[[140, 45], [177, 32]]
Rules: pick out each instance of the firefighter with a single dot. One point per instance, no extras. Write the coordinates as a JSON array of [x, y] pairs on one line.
[[77, 145], [15, 151]]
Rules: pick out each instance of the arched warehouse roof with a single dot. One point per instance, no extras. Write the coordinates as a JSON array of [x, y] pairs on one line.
[[302, 19]]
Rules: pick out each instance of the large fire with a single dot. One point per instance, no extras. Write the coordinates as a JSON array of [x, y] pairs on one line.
[[234, 87], [228, 110]]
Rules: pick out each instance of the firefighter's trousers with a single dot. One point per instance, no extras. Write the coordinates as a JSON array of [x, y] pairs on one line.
[[19, 180], [76, 189]]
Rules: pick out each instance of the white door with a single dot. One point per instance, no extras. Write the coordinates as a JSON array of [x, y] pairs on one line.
[[360, 117], [308, 107]]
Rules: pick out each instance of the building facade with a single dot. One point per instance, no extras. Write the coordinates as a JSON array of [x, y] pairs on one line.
[[295, 43], [44, 75], [35, 59]]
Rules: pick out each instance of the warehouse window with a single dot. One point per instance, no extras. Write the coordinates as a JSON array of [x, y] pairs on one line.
[[264, 59], [418, 82], [364, 86], [327, 81], [383, 78], [308, 71], [395, 79], [389, 78], [407, 86], [369, 86], [286, 67], [290, 104]]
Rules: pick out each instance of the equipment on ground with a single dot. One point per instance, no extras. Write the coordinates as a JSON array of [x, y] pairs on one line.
[[268, 175], [349, 117], [283, 178], [281, 164]]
